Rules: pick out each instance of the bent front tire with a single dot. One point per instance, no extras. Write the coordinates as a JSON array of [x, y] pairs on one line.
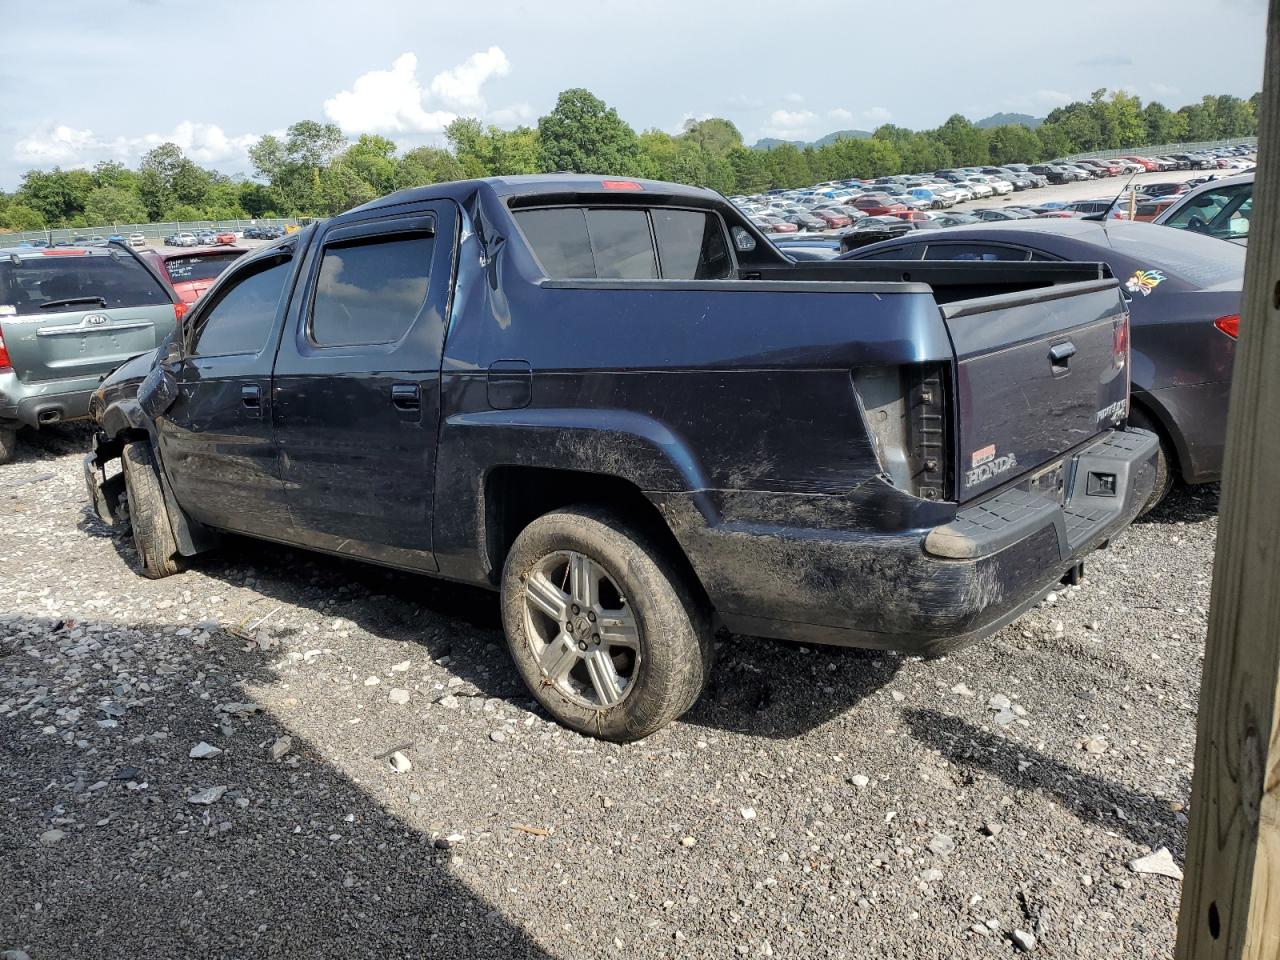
[[148, 515], [607, 631]]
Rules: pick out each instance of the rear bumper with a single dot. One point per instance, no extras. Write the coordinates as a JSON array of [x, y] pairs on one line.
[[923, 591], [44, 401]]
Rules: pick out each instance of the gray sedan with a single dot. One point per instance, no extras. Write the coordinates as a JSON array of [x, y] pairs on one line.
[[1184, 292]]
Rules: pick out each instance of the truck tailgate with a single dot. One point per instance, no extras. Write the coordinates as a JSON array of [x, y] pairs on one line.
[[1037, 373]]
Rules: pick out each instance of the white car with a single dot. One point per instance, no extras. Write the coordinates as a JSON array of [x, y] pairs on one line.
[[995, 184], [137, 240], [979, 188], [964, 192]]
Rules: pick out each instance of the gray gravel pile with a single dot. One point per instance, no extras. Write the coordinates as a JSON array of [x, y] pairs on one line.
[[278, 754]]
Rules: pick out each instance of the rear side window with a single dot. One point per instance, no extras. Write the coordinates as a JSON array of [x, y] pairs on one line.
[[370, 291], [61, 284], [241, 318], [691, 245], [627, 244]]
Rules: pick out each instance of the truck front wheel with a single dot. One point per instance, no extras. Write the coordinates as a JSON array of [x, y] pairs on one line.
[[148, 514], [606, 631]]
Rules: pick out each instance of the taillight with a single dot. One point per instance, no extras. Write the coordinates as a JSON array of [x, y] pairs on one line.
[[1230, 325], [1120, 342], [5, 362], [180, 310]]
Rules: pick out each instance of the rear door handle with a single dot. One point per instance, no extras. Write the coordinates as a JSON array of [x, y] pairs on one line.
[[251, 398], [406, 396]]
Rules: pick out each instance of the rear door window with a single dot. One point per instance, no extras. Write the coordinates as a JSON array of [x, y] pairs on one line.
[[370, 291], [627, 244], [61, 283]]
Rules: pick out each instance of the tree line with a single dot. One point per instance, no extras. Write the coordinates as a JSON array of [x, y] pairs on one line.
[[314, 170]]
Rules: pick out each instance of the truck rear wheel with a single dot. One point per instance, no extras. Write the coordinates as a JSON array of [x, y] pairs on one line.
[[148, 514], [605, 630], [8, 444]]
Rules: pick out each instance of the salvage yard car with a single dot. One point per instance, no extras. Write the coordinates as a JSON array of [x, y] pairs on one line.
[[67, 316], [619, 405]]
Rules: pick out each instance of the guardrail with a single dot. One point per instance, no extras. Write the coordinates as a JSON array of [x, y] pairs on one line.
[[152, 231]]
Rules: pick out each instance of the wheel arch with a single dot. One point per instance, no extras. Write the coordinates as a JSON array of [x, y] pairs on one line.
[[1154, 411]]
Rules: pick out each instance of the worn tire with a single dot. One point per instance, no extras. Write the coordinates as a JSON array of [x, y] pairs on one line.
[[1165, 460], [8, 444], [674, 624], [148, 514]]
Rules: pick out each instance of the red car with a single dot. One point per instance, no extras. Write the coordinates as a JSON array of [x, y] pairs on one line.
[[833, 218], [225, 238], [913, 215], [1147, 165], [879, 205], [192, 272]]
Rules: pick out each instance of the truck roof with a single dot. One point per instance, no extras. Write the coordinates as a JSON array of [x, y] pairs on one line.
[[540, 184]]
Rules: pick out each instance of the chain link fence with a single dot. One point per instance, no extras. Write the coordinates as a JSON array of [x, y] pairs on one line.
[[153, 232], [1163, 149]]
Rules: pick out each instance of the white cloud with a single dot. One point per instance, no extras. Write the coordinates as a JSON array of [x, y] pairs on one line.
[[395, 101], [877, 116], [53, 144], [678, 128], [840, 114], [790, 124], [511, 116], [1162, 89], [793, 98], [460, 87], [386, 101], [203, 142]]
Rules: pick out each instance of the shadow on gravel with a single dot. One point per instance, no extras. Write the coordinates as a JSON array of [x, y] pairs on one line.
[[1144, 819], [53, 442], [293, 860], [759, 687], [1186, 505]]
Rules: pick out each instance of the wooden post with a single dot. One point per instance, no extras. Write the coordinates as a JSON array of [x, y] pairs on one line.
[[1231, 894]]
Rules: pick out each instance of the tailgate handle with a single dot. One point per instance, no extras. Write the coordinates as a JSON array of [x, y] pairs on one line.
[[1062, 352], [1060, 355]]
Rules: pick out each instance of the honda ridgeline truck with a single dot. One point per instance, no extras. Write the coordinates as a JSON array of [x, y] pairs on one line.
[[617, 404]]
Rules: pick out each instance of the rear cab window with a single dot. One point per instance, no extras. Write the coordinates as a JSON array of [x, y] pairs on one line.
[[613, 243], [44, 285]]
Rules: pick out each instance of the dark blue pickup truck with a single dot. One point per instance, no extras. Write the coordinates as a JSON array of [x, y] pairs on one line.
[[617, 403]]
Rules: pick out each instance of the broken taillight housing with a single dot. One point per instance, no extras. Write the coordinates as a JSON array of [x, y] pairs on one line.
[[1230, 325], [905, 411]]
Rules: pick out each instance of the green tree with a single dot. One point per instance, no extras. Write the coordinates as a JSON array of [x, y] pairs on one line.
[[584, 135], [424, 165], [57, 195], [716, 135], [256, 199], [109, 173], [107, 205], [19, 216], [372, 159], [751, 170], [966, 143], [340, 187], [788, 167], [1013, 143]]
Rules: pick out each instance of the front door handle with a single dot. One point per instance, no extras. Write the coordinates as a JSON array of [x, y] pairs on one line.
[[251, 398], [406, 396]]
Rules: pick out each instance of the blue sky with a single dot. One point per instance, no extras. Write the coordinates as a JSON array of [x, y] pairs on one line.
[[85, 81]]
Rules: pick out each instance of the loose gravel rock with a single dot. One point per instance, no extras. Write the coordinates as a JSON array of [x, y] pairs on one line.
[[851, 761]]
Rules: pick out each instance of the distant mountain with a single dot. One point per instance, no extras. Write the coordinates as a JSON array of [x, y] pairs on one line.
[[1002, 119], [768, 143]]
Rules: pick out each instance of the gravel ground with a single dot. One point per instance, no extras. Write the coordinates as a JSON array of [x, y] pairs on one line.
[[815, 803]]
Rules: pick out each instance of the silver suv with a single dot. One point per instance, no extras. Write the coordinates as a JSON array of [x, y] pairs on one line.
[[68, 316]]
